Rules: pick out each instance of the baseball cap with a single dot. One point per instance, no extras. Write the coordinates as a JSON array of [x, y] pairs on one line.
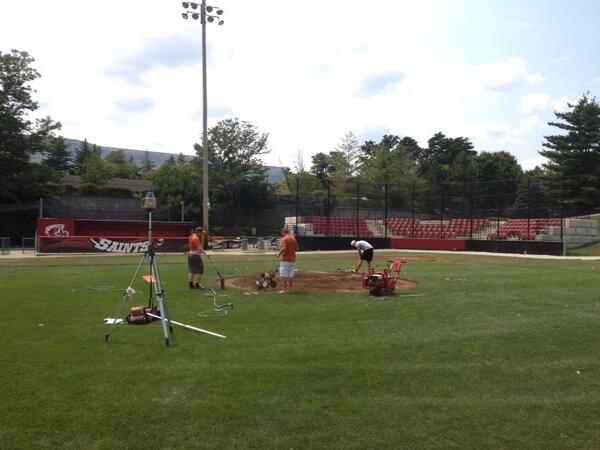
[[352, 243]]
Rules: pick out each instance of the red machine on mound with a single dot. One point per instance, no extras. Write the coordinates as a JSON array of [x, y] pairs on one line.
[[379, 282]]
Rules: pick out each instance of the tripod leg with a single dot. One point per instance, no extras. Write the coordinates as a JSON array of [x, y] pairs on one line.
[[164, 314], [110, 330], [126, 296]]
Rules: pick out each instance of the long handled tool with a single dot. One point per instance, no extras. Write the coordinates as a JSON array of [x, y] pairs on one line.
[[221, 277], [189, 327]]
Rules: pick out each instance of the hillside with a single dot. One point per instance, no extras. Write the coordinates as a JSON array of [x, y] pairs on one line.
[[274, 174]]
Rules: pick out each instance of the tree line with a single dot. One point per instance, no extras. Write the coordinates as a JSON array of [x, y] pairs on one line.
[[448, 173]]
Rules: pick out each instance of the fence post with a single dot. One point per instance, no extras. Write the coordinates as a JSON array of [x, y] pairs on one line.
[[441, 210], [357, 205], [297, 203], [328, 204], [385, 209], [412, 225], [471, 212], [561, 210], [498, 218], [528, 206]]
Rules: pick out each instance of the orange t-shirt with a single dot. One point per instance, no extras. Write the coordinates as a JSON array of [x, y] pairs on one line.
[[194, 243], [289, 244]]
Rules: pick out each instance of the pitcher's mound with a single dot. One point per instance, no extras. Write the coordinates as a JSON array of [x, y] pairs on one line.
[[316, 282]]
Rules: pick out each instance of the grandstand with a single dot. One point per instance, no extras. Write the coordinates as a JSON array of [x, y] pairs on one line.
[[523, 229], [578, 231], [335, 226]]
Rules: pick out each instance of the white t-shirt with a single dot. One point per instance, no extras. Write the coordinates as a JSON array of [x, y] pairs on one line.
[[363, 245]]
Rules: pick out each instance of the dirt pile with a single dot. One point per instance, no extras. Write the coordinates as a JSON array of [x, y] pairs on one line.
[[306, 281]]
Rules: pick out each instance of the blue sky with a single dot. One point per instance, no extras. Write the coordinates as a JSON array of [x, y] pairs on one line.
[[127, 74]]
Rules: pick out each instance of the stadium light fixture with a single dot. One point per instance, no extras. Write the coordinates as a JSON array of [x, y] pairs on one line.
[[205, 14]]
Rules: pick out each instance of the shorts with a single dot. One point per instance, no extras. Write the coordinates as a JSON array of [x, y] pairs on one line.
[[195, 264], [286, 269], [367, 255]]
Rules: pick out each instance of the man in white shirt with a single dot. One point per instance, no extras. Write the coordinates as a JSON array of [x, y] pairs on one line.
[[365, 253]]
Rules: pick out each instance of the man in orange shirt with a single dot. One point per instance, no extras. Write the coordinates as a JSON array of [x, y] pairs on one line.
[[195, 264], [287, 252]]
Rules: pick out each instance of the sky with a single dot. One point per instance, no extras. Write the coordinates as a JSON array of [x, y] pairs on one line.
[[128, 74]]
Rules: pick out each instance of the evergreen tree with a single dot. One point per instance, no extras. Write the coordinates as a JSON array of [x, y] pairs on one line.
[[147, 166], [58, 156], [81, 154], [574, 156], [349, 151]]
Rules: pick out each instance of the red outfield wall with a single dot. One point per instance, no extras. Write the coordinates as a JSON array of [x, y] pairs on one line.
[[65, 235], [428, 244]]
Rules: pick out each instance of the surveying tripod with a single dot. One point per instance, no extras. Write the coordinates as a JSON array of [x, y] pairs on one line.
[[155, 290]]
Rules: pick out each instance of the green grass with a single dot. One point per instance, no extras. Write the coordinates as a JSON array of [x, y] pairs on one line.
[[498, 353]]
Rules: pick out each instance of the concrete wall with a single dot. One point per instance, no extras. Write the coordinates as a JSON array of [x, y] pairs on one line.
[[576, 232]]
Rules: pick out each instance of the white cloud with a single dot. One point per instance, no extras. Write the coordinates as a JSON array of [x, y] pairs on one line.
[[532, 163], [527, 125], [561, 104], [507, 75], [533, 102]]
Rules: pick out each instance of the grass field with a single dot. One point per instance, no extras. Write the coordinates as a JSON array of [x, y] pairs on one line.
[[498, 352]]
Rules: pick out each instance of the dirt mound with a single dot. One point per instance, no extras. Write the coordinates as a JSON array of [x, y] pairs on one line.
[[316, 282]]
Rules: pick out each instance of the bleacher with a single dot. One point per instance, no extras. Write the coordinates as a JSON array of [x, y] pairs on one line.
[[402, 225], [338, 226], [519, 228], [454, 228]]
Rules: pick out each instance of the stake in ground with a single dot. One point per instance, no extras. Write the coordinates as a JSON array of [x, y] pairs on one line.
[[498, 353]]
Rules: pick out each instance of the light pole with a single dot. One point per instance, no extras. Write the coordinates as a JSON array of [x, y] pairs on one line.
[[205, 13]]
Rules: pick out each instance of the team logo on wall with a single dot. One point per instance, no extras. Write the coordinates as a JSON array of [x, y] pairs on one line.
[[113, 246], [56, 229]]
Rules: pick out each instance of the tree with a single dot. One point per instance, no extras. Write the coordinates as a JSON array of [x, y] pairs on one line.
[[20, 137], [147, 166], [349, 151], [81, 154], [95, 170], [386, 163], [234, 149], [448, 168], [119, 166], [58, 156], [498, 177], [532, 195], [174, 183], [574, 157]]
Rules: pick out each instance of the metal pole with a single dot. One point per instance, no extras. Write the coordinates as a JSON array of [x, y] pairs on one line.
[[528, 207], [204, 125], [412, 226], [561, 211], [328, 203], [441, 211], [471, 213], [297, 203], [385, 210], [41, 212], [182, 210], [357, 205]]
